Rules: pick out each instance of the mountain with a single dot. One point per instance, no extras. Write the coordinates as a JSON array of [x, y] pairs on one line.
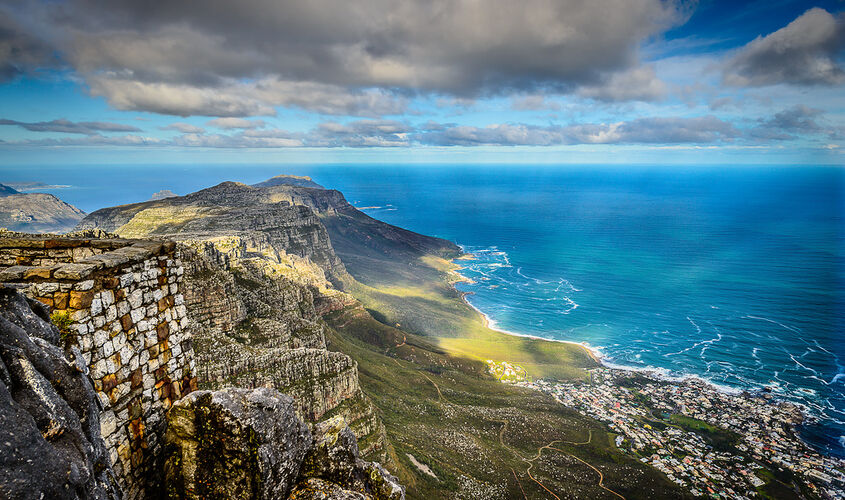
[[6, 191], [260, 271], [38, 213], [293, 288], [290, 180]]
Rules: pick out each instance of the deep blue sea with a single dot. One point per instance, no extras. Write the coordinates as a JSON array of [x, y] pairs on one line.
[[732, 274]]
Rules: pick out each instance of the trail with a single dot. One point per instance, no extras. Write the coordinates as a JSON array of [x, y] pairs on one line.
[[440, 397], [601, 476], [530, 461], [520, 484], [441, 400], [551, 447]]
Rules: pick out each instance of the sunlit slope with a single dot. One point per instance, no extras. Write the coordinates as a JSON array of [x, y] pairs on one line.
[[407, 279]]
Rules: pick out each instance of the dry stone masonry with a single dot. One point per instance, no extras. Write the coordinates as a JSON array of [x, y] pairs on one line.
[[119, 303]]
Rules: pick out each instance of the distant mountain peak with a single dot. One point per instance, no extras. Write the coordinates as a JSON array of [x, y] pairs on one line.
[[290, 180], [37, 213], [163, 194]]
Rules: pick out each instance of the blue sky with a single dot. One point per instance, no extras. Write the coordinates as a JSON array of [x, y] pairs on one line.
[[541, 81]]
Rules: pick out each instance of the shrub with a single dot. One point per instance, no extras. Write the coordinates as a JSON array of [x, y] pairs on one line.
[[62, 320]]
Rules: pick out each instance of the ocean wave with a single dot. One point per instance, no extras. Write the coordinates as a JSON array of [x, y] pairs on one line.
[[717, 338], [671, 376], [790, 328]]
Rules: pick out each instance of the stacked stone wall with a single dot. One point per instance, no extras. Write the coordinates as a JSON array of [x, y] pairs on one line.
[[119, 304]]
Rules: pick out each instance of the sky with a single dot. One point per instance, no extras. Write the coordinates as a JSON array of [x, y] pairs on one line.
[[541, 81]]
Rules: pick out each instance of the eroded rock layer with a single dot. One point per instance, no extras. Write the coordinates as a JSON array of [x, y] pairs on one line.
[[260, 273]]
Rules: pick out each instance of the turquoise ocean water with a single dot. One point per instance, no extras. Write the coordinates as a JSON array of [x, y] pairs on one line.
[[732, 274]]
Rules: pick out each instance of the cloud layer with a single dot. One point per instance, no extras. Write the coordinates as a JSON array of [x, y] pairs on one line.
[[69, 127], [221, 58]]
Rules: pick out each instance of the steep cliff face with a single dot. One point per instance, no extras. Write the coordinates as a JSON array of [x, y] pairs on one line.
[[228, 209], [50, 442], [257, 325], [260, 272], [352, 235]]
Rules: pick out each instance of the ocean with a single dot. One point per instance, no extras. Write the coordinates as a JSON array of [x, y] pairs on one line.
[[732, 274]]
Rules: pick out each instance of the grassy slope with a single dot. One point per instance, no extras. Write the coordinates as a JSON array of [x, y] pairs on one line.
[[416, 292], [480, 438]]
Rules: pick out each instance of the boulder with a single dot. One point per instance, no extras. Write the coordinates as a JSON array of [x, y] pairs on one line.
[[50, 442], [332, 469], [234, 443], [250, 444]]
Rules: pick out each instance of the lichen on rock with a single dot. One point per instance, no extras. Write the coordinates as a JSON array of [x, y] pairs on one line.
[[250, 444]]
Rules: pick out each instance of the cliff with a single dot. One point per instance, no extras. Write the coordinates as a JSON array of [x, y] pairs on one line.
[[235, 443], [276, 453], [260, 272], [37, 213]]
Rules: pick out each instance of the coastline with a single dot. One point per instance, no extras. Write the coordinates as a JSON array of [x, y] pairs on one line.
[[490, 324], [656, 374]]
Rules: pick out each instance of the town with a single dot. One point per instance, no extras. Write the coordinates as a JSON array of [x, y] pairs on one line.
[[714, 443]]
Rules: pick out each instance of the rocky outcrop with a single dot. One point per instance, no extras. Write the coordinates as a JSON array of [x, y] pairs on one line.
[[234, 443], [50, 442], [344, 229], [260, 272], [38, 213], [163, 194], [249, 444], [227, 210], [333, 468], [257, 324]]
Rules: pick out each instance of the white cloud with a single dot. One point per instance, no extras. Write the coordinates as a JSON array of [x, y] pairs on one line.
[[668, 130], [68, 127], [354, 58]]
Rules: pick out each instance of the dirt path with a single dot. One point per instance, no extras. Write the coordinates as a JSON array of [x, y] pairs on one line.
[[440, 397], [529, 460], [551, 447], [601, 476]]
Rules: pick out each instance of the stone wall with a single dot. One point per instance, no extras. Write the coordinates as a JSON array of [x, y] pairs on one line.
[[120, 303]]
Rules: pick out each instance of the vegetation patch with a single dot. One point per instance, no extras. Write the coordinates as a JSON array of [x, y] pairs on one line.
[[63, 322]]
